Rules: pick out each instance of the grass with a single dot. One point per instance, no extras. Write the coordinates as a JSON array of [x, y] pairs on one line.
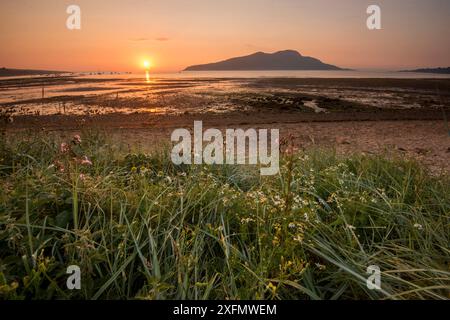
[[140, 227]]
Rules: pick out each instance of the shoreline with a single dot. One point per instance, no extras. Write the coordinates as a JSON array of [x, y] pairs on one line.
[[349, 115]]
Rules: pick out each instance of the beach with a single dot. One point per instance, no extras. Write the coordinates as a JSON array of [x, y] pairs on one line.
[[406, 117]]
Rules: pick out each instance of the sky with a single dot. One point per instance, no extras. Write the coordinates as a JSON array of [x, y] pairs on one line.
[[118, 35]]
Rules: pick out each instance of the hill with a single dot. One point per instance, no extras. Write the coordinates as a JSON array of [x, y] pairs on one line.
[[281, 60]]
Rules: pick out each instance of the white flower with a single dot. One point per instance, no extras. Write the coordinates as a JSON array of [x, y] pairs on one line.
[[247, 220]]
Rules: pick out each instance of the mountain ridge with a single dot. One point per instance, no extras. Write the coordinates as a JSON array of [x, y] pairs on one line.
[[280, 60]]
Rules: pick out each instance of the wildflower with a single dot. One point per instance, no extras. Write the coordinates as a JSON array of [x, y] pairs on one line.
[[298, 238], [133, 169], [86, 161], [143, 170], [277, 201], [64, 147], [418, 226], [76, 139], [82, 177], [320, 266], [272, 288], [59, 166], [247, 220], [276, 241]]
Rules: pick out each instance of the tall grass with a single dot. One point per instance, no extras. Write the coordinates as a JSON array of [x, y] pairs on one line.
[[140, 227]]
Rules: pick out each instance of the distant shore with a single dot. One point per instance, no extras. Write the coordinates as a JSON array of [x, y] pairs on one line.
[[6, 72]]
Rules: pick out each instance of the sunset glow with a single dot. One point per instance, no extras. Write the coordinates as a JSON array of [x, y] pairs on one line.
[[182, 33]]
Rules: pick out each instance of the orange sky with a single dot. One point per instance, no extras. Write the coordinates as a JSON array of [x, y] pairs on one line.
[[117, 35]]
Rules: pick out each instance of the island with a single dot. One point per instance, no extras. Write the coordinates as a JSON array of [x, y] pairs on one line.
[[281, 60], [430, 70]]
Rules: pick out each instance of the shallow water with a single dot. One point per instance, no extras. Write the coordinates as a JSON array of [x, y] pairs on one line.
[[200, 92]]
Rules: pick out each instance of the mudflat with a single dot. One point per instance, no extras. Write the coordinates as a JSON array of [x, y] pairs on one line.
[[407, 117]]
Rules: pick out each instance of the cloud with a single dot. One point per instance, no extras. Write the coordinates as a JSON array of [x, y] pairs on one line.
[[161, 39], [139, 39]]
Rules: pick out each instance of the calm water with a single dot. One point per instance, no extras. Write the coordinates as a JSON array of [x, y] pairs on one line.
[[301, 74], [260, 74]]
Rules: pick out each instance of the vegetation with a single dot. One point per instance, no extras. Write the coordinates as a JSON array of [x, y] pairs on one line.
[[140, 227]]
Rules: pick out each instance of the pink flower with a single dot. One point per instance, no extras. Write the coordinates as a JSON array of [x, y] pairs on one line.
[[82, 177], [86, 161], [59, 166], [64, 147], [76, 139]]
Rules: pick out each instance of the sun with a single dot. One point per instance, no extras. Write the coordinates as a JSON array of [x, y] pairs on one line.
[[146, 64]]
